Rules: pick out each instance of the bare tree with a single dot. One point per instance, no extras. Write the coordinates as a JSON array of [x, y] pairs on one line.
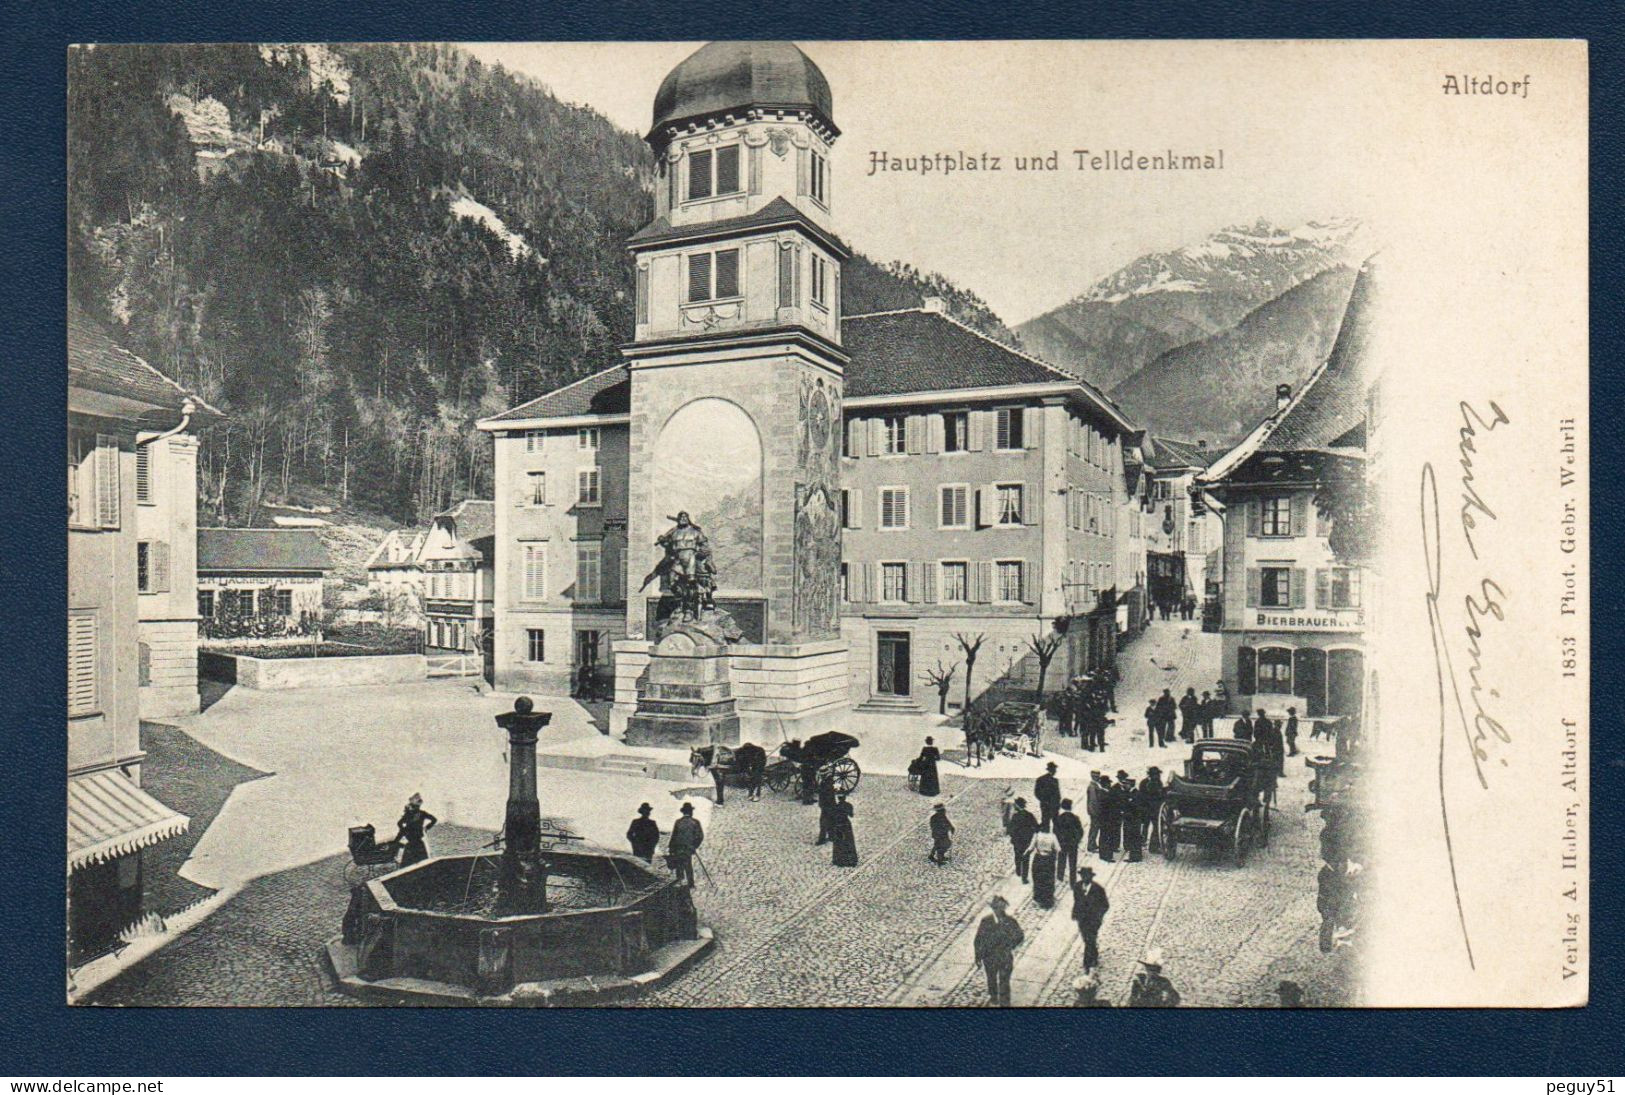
[[941, 679], [971, 647], [1044, 647]]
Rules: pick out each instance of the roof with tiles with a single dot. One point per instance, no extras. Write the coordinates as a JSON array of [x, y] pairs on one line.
[[1170, 454], [270, 550], [892, 353], [606, 392], [98, 362], [473, 518], [779, 211]]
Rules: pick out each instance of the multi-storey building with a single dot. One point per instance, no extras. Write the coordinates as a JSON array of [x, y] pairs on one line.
[[982, 494], [393, 571], [560, 567], [1181, 529], [1294, 612], [117, 406], [456, 562], [166, 573]]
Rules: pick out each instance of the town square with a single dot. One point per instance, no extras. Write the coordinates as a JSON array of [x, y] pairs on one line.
[[588, 580]]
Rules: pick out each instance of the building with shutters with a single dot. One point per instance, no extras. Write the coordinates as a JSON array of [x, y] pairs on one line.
[[456, 563], [1294, 611], [870, 484], [1181, 530], [166, 574], [118, 406]]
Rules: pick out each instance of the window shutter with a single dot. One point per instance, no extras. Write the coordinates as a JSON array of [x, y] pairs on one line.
[[933, 433], [1029, 427], [699, 277], [855, 508], [1255, 517], [1255, 586], [1299, 579], [611, 576], [916, 583], [1246, 671], [107, 492], [983, 591], [871, 573], [1029, 582], [143, 473], [728, 170], [975, 426], [877, 440], [928, 583], [756, 170], [727, 273], [913, 426], [787, 275], [1031, 504], [984, 507], [159, 564], [835, 295], [1323, 588], [699, 175], [643, 294], [1300, 514], [1323, 526], [81, 664], [801, 172]]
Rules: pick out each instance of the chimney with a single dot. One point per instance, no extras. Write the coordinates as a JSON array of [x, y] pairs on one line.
[[934, 305], [1283, 396]]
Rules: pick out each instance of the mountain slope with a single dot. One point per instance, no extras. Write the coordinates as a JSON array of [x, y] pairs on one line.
[[1222, 385], [1167, 299], [358, 250]]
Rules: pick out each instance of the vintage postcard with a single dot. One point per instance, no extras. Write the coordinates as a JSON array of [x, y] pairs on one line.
[[928, 524]]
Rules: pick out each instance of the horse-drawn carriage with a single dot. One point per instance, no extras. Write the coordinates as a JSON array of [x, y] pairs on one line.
[[825, 754], [1222, 800], [1017, 729]]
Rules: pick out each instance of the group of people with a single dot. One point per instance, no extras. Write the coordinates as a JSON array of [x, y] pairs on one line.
[[1175, 607], [1279, 740], [1122, 815], [1082, 707], [1195, 715]]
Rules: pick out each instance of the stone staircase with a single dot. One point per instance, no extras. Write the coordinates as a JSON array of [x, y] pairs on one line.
[[666, 764]]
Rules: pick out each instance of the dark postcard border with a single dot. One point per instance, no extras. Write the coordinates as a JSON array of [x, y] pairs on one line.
[[44, 1038]]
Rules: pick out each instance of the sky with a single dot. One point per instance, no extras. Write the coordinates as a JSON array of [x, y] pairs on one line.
[[1286, 115]]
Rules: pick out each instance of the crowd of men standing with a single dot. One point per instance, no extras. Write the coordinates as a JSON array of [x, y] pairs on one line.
[[1084, 706]]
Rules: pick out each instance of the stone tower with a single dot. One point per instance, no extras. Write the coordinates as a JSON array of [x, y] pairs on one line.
[[737, 370]]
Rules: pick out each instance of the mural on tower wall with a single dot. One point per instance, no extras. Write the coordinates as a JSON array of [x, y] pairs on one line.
[[708, 461], [818, 512]]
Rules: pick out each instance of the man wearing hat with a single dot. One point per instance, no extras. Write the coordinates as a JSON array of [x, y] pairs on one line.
[[1112, 805], [1133, 805], [1093, 799], [1022, 827], [643, 834], [1069, 833], [1089, 907], [1152, 793], [997, 937], [686, 838], [942, 834], [1150, 989], [1047, 790]]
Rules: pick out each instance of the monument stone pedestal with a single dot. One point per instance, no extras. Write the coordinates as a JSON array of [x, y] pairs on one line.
[[686, 698]]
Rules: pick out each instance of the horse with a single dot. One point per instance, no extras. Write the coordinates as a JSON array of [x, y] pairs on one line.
[[748, 760]]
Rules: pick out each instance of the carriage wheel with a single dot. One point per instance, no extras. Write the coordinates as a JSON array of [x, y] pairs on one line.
[[778, 779], [1242, 839], [844, 772], [1165, 822], [1263, 834]]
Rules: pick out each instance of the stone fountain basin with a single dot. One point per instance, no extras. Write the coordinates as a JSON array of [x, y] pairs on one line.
[[609, 916]]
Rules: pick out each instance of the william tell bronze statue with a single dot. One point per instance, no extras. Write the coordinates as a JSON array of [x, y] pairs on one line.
[[689, 577]]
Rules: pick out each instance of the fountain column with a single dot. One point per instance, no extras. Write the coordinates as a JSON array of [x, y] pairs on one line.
[[523, 823]]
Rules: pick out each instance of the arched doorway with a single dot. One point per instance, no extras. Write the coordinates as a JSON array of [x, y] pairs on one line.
[[1345, 681]]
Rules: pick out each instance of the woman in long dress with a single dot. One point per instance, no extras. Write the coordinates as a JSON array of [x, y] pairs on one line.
[[930, 784], [846, 842], [414, 823], [1044, 849]]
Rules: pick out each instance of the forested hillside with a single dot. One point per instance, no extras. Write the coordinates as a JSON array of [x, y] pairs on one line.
[[357, 251]]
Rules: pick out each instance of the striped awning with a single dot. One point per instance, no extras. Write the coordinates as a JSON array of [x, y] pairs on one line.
[[109, 816]]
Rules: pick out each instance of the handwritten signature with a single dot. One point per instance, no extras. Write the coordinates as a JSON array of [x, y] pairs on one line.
[[1484, 605]]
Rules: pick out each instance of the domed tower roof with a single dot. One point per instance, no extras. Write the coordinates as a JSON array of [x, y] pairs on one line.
[[729, 76]]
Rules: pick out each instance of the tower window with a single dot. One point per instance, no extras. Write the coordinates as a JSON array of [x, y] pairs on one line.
[[820, 282], [713, 275], [818, 183], [713, 172]]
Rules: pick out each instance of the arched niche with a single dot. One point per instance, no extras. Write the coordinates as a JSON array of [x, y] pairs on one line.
[[708, 461]]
